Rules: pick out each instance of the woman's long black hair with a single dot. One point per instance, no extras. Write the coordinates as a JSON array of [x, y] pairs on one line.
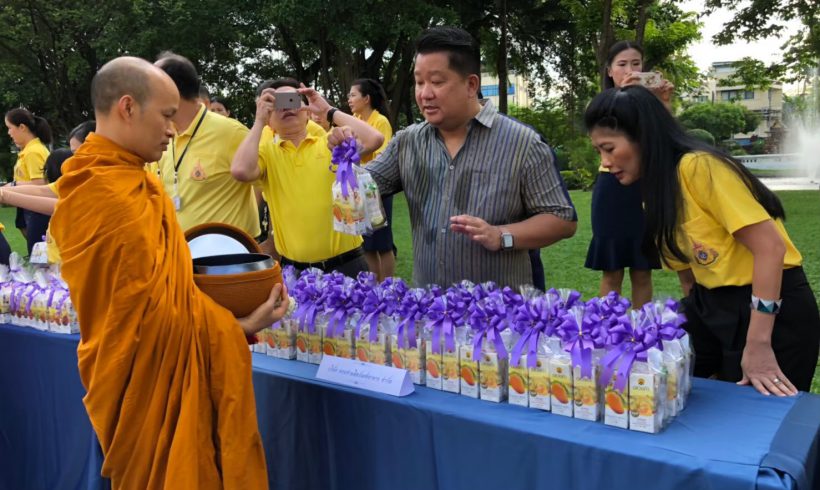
[[639, 114], [378, 97], [37, 125]]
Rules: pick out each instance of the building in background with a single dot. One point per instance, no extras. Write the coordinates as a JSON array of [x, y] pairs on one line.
[[517, 89], [767, 103]]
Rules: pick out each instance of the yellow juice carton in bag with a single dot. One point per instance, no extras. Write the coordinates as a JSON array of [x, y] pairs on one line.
[[519, 382], [493, 375], [302, 346], [616, 407], [434, 364], [379, 351], [645, 399], [314, 340], [539, 383], [585, 395], [261, 346], [284, 339], [413, 359], [469, 371], [450, 375], [561, 393]]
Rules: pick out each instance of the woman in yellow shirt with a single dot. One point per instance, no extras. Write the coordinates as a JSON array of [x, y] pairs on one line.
[[30, 134], [368, 102], [750, 311]]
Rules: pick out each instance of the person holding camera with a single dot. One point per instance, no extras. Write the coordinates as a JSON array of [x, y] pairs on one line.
[[293, 170], [617, 212]]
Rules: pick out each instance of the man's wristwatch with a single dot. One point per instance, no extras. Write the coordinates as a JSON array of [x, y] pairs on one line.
[[330, 114], [507, 242]]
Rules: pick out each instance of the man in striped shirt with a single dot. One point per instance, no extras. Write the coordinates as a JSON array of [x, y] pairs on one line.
[[482, 188]]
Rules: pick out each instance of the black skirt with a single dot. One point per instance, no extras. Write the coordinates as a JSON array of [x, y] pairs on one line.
[[617, 227], [718, 320]]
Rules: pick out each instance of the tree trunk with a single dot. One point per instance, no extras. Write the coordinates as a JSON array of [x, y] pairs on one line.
[[501, 59], [643, 14], [606, 39]]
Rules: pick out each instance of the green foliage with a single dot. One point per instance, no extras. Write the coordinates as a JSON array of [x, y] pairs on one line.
[[578, 179], [722, 120], [703, 135], [767, 18], [758, 147]]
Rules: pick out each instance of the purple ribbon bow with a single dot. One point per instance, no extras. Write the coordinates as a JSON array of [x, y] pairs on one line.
[[412, 308], [345, 155], [581, 333], [375, 304], [339, 305], [636, 341], [444, 314], [487, 319], [532, 319], [309, 298]]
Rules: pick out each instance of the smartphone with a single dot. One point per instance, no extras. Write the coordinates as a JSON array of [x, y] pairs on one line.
[[649, 79], [287, 100]]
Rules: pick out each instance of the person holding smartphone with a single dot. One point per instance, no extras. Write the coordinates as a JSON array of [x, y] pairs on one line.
[[617, 212], [293, 169], [751, 313]]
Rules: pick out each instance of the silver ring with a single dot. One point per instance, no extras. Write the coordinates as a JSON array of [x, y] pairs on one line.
[[777, 380]]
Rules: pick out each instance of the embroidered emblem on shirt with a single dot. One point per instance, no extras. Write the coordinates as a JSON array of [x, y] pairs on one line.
[[198, 173], [703, 254]]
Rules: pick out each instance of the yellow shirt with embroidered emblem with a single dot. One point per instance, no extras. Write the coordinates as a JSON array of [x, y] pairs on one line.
[[717, 203], [382, 125], [30, 161], [207, 191], [297, 185]]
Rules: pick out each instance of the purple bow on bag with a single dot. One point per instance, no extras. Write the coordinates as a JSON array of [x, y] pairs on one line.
[[487, 317], [444, 314], [581, 333], [375, 304], [412, 308], [636, 341], [532, 319], [339, 304], [345, 156], [309, 296], [665, 318]]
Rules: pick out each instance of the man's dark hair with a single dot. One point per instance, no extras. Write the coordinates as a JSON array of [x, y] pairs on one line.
[[463, 52], [182, 72], [279, 83]]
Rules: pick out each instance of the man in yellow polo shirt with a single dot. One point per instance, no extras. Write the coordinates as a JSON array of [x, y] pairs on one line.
[[293, 170], [196, 168]]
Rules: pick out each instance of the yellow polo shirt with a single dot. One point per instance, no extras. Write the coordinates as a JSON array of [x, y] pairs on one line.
[[30, 161], [206, 188], [312, 128], [716, 203], [382, 125], [297, 185]]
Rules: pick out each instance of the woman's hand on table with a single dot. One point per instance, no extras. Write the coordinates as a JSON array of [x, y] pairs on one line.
[[760, 369]]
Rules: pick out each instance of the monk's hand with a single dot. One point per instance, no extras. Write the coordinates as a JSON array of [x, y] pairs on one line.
[[268, 313], [478, 230], [265, 105]]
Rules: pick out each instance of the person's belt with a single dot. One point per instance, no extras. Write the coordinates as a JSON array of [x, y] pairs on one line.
[[327, 264]]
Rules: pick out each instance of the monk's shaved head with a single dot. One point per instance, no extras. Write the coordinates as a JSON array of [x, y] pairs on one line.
[[119, 77]]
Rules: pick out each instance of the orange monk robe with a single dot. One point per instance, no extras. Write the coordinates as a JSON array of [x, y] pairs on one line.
[[167, 371]]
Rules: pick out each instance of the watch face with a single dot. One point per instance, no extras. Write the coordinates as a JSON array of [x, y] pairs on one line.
[[506, 241]]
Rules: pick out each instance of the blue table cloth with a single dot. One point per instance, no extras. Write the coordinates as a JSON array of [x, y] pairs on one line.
[[322, 436]]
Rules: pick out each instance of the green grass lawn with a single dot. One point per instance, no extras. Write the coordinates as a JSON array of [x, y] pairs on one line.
[[564, 261]]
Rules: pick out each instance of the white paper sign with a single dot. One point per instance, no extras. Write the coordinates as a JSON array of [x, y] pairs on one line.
[[364, 375]]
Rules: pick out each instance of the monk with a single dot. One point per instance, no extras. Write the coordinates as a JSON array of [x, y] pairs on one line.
[[167, 371]]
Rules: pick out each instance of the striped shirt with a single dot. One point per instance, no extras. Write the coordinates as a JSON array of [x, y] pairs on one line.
[[504, 173]]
